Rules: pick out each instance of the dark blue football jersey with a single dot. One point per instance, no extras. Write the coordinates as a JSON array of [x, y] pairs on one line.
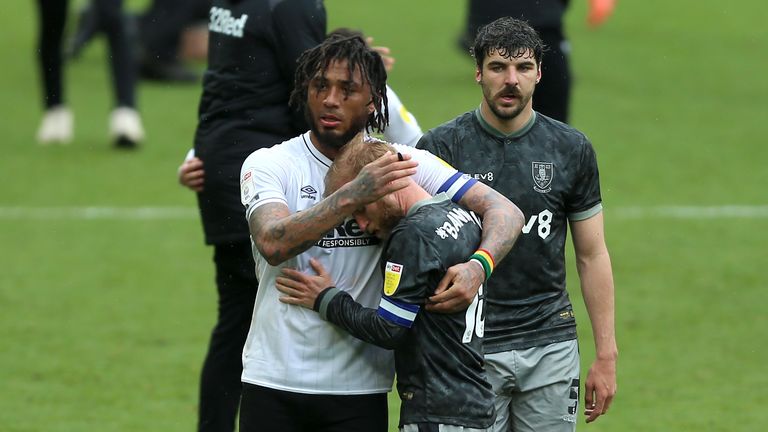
[[549, 170], [438, 357]]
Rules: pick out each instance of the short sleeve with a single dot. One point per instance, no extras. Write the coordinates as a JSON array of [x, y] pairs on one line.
[[436, 176], [262, 180], [584, 199]]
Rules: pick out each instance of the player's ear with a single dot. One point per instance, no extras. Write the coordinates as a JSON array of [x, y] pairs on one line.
[[478, 74], [538, 73], [371, 107]]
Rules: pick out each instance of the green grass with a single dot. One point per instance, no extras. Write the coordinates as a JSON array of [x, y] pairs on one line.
[[104, 322]]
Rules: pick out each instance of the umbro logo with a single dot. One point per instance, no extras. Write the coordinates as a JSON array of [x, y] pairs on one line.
[[308, 192]]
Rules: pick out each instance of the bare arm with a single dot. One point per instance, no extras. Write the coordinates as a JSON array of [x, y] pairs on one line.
[[502, 224], [594, 266], [280, 235]]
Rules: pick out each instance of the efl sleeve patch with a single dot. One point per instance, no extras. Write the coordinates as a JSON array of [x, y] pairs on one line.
[[392, 274], [247, 187]]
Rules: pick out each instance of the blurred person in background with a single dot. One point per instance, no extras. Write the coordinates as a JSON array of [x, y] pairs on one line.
[[553, 93], [125, 127], [162, 28], [549, 170], [160, 36]]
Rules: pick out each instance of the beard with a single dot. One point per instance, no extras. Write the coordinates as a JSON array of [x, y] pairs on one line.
[[335, 138], [497, 111], [389, 216]]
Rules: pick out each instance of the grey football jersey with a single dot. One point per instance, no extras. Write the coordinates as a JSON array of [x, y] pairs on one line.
[[438, 357], [549, 170]]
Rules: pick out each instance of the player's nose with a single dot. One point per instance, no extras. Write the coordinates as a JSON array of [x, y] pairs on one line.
[[332, 97]]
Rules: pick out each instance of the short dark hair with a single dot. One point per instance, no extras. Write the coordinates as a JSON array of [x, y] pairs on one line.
[[510, 37], [359, 56]]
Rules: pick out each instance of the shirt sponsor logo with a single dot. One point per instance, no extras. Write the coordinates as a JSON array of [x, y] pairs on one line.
[[223, 22], [392, 273], [348, 234], [542, 173], [487, 176], [308, 192], [457, 218]]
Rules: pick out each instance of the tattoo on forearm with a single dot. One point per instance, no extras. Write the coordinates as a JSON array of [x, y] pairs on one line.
[[500, 227], [281, 235]]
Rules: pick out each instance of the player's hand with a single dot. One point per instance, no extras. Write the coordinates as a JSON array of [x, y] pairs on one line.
[[191, 174], [599, 389], [599, 11], [384, 52], [457, 288], [381, 177], [300, 288]]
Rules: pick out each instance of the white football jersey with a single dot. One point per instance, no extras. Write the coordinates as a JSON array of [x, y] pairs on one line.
[[289, 347], [403, 127]]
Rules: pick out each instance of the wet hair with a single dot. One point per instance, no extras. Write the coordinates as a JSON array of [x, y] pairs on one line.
[[508, 36], [346, 32], [352, 158], [359, 56]]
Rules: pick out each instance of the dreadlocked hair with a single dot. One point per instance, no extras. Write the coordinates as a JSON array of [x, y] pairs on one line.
[[510, 37], [359, 56]]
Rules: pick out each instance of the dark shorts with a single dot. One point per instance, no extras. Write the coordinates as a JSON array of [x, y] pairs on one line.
[[268, 410]]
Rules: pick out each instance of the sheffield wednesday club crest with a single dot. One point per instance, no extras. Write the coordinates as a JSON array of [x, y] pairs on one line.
[[542, 173]]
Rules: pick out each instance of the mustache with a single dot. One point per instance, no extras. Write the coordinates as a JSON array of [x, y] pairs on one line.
[[514, 91]]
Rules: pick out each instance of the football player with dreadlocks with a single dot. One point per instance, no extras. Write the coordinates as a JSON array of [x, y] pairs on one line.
[[301, 373]]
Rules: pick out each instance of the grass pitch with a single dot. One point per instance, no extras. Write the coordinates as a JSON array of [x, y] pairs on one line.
[[105, 313]]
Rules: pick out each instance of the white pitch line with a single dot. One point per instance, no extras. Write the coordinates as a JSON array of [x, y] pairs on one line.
[[93, 213], [691, 212], [175, 213]]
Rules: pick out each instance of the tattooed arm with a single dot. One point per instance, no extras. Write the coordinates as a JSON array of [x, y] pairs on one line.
[[502, 224], [280, 235]]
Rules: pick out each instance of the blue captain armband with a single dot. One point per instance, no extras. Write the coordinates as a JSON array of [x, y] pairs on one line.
[[402, 314], [457, 186]]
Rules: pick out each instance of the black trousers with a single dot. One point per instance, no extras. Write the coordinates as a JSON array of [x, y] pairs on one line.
[[264, 409], [553, 93], [220, 377], [52, 17]]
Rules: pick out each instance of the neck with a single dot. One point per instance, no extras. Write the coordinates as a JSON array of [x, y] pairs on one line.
[[331, 151], [510, 125], [410, 195]]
